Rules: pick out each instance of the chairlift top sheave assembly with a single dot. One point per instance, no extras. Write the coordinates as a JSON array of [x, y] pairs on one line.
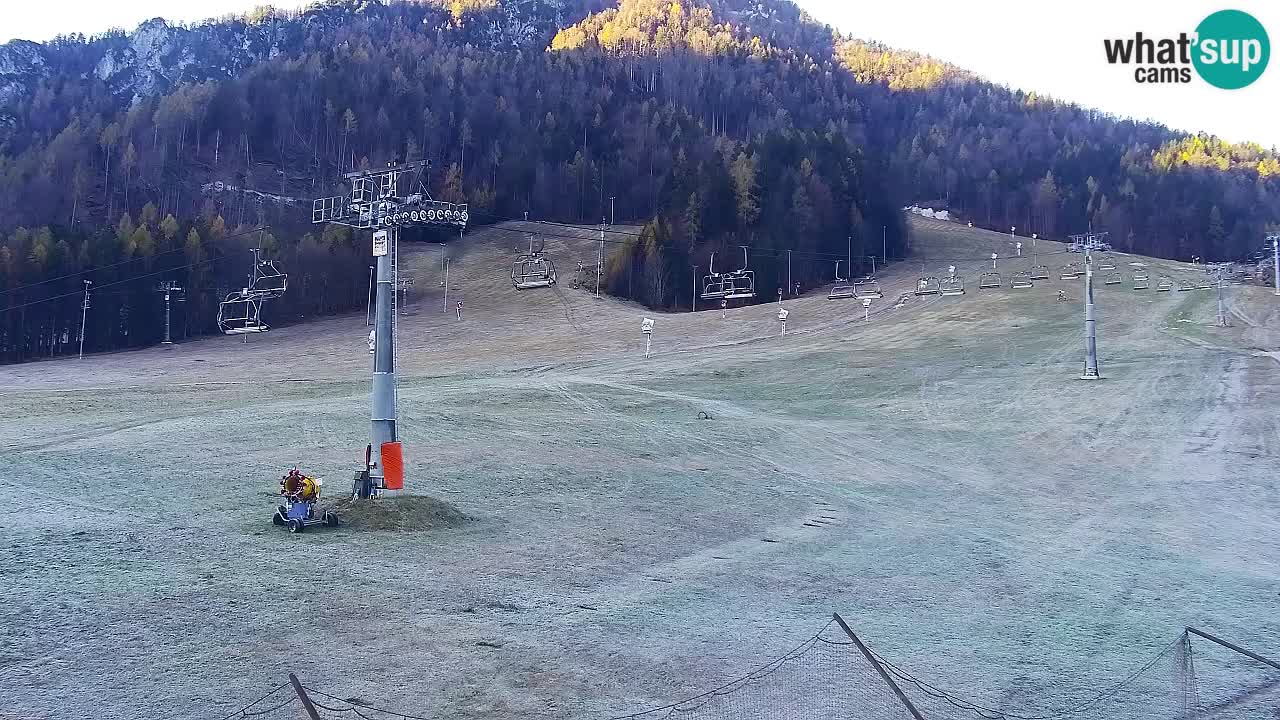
[[394, 197]]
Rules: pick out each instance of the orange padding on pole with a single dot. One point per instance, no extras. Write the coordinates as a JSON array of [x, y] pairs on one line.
[[392, 466]]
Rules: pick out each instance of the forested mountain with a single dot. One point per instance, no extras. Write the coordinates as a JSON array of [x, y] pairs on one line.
[[131, 158]]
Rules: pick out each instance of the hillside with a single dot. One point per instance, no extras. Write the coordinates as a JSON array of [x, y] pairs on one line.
[[130, 158], [937, 474]]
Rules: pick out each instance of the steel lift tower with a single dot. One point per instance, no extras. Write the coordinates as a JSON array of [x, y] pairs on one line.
[[383, 201]]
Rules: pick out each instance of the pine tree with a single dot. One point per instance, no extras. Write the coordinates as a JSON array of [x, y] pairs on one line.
[[746, 189], [1217, 233]]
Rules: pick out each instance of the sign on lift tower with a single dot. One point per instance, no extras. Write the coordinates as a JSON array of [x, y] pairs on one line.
[[384, 201]]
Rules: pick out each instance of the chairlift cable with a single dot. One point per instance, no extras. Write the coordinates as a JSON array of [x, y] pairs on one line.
[[107, 285], [122, 262], [125, 280]]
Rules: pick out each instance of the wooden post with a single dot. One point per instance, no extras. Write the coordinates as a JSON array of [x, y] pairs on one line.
[[302, 695], [876, 664]]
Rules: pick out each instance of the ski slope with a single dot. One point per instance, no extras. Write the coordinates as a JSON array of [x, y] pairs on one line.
[[937, 474]]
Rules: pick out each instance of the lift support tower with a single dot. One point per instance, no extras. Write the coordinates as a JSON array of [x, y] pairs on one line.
[[384, 201]]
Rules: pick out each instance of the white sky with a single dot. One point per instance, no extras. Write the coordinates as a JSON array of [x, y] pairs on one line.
[[1055, 48], [41, 20], [1052, 48]]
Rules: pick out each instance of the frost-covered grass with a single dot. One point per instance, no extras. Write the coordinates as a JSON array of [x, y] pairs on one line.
[[937, 475]]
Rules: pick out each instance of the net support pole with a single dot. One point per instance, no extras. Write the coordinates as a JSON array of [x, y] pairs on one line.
[[879, 668], [302, 695], [1233, 646]]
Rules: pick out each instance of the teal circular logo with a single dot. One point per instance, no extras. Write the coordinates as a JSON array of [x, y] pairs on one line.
[[1232, 49]]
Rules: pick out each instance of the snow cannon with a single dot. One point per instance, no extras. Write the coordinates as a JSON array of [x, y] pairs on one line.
[[300, 493]]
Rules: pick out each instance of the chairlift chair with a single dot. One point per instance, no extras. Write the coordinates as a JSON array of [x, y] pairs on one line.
[[952, 285], [1141, 282], [1113, 279], [1071, 271], [867, 287], [533, 270], [740, 283], [715, 286], [1021, 279], [988, 280], [1039, 272], [1204, 284], [928, 286], [266, 281], [241, 313], [842, 289], [1184, 285], [1106, 264], [1164, 285]]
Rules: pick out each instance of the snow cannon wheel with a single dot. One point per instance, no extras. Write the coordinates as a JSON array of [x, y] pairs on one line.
[[278, 519], [331, 519], [295, 525]]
